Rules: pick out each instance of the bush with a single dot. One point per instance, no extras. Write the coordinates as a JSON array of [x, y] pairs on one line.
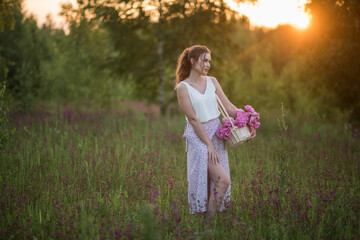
[[4, 133]]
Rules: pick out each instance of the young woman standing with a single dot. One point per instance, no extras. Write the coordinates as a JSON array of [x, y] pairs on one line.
[[208, 172]]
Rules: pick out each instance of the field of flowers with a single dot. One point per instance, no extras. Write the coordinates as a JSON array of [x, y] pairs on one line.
[[122, 175]]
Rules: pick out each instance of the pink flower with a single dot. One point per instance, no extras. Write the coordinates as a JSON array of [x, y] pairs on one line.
[[255, 114], [223, 132], [253, 120], [253, 117], [239, 111], [227, 122], [240, 124], [241, 121], [242, 118], [249, 109]]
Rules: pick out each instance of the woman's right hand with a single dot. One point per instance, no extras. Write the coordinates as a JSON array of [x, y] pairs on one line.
[[213, 157]]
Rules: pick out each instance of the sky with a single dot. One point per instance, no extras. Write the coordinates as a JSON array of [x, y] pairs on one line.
[[266, 13], [270, 13], [41, 8]]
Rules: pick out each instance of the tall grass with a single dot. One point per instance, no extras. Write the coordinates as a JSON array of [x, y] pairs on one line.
[[110, 175]]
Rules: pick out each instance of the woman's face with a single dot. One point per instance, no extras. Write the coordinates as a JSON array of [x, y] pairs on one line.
[[202, 65]]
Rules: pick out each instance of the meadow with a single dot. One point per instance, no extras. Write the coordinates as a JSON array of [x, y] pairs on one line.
[[109, 174]]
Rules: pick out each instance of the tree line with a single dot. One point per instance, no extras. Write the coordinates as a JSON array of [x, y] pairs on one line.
[[118, 50]]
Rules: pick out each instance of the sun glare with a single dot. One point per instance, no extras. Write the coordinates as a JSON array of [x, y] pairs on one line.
[[267, 13], [275, 12]]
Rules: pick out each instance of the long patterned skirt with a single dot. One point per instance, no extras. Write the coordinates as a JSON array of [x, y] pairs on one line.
[[197, 166]]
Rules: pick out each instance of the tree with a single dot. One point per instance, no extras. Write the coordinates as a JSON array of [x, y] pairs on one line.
[[149, 36], [7, 22], [333, 49], [79, 71], [22, 49], [7, 8]]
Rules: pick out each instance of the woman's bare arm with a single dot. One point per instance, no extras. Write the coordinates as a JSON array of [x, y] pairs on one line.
[[187, 108], [230, 108]]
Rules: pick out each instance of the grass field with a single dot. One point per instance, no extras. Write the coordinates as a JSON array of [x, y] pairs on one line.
[[119, 175]]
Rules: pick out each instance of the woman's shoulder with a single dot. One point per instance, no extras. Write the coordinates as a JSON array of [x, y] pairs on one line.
[[181, 87], [214, 80], [186, 80]]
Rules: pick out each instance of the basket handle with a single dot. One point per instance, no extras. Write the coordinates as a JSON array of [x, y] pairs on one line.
[[222, 110]]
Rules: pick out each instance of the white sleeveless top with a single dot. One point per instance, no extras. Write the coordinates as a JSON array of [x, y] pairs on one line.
[[205, 105]]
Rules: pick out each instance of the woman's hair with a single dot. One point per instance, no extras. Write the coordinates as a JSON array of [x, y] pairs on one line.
[[184, 64]]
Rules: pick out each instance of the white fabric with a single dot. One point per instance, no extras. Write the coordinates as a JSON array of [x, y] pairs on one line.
[[205, 105]]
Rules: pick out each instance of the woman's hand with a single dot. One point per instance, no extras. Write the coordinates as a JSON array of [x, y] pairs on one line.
[[213, 157], [252, 132]]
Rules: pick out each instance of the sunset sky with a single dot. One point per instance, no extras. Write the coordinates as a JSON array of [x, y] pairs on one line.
[[267, 13], [270, 13], [41, 8]]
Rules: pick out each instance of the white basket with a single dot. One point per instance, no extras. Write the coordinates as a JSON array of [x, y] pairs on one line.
[[238, 135]]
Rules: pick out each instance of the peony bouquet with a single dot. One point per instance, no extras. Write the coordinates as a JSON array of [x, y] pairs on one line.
[[249, 117]]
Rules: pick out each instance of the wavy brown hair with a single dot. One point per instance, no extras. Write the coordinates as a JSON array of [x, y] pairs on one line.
[[184, 64]]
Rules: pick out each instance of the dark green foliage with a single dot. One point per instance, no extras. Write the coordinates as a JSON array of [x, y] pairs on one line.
[[22, 49], [149, 223], [117, 50], [4, 132], [81, 69], [282, 152], [148, 42], [45, 64], [333, 44], [7, 8]]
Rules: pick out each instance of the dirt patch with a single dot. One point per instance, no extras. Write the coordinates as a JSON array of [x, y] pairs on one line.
[[139, 106]]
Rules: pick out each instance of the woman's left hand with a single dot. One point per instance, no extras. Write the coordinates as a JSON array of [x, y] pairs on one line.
[[252, 132]]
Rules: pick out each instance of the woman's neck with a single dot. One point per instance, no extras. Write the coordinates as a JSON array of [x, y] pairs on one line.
[[195, 77]]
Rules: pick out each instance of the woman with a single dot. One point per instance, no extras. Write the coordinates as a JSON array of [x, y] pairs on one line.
[[208, 172]]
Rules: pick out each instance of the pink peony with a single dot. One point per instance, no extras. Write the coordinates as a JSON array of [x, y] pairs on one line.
[[242, 118], [239, 111], [227, 122], [223, 132], [253, 117], [249, 109], [240, 124], [256, 125]]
